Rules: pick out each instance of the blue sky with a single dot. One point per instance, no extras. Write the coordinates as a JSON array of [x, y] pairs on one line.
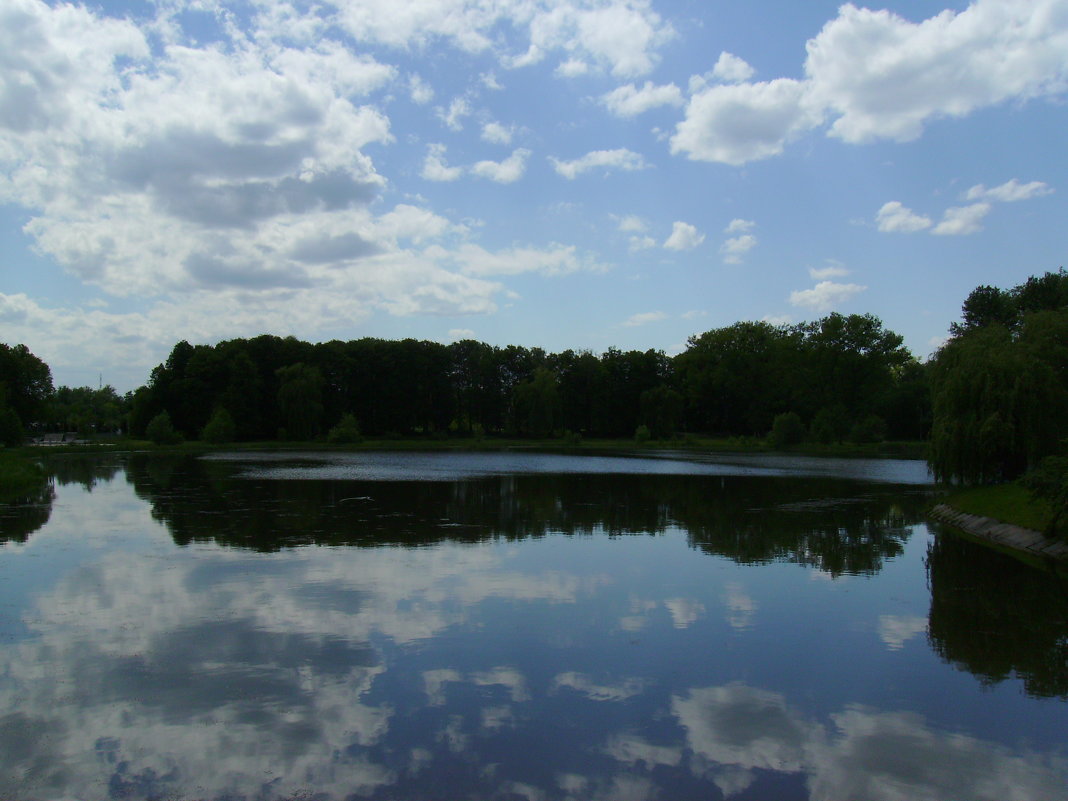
[[551, 173]]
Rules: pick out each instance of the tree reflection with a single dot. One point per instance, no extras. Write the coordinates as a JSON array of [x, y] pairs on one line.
[[996, 617], [835, 525], [19, 520]]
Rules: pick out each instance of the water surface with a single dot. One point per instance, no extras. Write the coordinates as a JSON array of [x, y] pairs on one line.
[[518, 626]]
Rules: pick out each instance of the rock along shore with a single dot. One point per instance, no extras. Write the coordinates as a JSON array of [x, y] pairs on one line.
[[1024, 540]]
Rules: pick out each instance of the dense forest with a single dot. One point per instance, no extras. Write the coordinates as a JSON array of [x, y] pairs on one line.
[[840, 377], [991, 401]]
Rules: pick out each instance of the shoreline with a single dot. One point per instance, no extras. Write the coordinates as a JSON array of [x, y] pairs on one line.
[[1018, 541]]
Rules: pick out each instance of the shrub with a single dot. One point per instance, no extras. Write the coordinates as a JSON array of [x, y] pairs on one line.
[[346, 431], [786, 429], [641, 434], [160, 430], [868, 429], [220, 427]]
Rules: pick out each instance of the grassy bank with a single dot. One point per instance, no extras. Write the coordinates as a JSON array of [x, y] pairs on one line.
[[20, 476], [896, 450], [1008, 503]]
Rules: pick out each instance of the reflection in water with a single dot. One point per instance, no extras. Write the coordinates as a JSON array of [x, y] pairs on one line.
[[995, 617], [837, 525], [19, 520], [473, 653]]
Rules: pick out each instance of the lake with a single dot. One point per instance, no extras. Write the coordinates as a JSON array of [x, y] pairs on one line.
[[518, 626]]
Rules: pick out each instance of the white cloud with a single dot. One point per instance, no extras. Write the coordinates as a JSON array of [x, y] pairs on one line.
[[739, 226], [644, 318], [555, 260], [683, 237], [497, 134], [832, 270], [618, 159], [962, 220], [777, 319], [743, 122], [895, 217], [1009, 192], [731, 69], [884, 77], [735, 248], [632, 222], [630, 101], [503, 172], [825, 296], [639, 243], [454, 115], [419, 90], [456, 334], [877, 75], [434, 166], [572, 68]]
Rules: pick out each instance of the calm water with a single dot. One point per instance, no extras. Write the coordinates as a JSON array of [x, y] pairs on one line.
[[522, 627]]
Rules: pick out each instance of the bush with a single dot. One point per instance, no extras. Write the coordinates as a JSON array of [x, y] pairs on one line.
[[160, 430], [641, 434], [1049, 482], [11, 433], [220, 427], [830, 425], [786, 429], [868, 429], [346, 431]]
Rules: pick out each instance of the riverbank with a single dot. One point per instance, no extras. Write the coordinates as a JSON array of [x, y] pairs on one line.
[[20, 477], [885, 450], [1026, 543]]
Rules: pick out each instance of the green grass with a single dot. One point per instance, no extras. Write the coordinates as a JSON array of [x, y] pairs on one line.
[[19, 477], [1009, 503]]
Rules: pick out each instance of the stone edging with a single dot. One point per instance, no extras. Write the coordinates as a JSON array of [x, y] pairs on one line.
[[1008, 536]]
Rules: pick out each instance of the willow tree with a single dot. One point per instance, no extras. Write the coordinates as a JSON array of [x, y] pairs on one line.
[[997, 406]]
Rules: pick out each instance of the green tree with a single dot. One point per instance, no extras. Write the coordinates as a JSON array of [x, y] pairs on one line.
[[537, 404], [346, 431], [220, 428], [25, 383], [787, 429], [161, 430], [300, 400], [11, 433]]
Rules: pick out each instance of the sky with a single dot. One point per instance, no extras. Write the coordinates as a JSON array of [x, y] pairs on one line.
[[560, 174]]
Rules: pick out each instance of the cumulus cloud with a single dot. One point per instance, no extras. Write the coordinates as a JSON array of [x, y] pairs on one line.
[[554, 260], [876, 75], [683, 237], [630, 101], [825, 296], [735, 248], [834, 269], [1009, 192], [453, 116], [645, 318], [618, 159], [419, 90], [731, 69], [962, 220], [744, 122], [621, 36], [434, 166], [639, 243], [503, 172], [632, 222], [895, 217], [496, 133]]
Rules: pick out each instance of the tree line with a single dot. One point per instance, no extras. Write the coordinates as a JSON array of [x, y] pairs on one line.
[[991, 401], [841, 377]]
